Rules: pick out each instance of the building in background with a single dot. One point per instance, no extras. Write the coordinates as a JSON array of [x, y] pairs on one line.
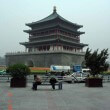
[[52, 41], [2, 61]]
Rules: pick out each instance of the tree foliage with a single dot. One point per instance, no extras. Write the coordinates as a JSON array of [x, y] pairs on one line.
[[18, 70], [96, 61]]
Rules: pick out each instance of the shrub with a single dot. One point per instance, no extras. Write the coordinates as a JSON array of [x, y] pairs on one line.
[[18, 70]]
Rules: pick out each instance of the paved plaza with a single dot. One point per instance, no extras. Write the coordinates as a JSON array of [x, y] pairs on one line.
[[72, 97]]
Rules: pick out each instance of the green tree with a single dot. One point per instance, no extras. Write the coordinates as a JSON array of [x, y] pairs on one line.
[[96, 61], [18, 70]]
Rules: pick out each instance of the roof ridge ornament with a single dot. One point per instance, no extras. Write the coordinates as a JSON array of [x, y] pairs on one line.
[[54, 9]]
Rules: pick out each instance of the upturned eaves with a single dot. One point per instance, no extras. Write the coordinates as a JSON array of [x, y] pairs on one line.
[[51, 17]]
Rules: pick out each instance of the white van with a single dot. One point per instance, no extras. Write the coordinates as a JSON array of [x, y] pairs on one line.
[[86, 71]]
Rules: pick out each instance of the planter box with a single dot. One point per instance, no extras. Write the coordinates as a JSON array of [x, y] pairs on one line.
[[18, 82], [93, 82]]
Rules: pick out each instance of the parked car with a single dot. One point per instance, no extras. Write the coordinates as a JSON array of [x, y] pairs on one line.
[[75, 77], [79, 76], [86, 70], [68, 78], [3, 72]]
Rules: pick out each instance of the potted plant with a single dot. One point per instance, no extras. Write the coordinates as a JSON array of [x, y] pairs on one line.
[[18, 73], [97, 63]]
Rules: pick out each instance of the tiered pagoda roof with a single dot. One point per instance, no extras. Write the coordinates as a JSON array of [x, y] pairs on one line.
[[51, 17], [58, 19], [53, 21]]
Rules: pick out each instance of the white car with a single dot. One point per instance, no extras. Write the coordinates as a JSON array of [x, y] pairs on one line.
[[68, 78], [79, 76], [75, 77]]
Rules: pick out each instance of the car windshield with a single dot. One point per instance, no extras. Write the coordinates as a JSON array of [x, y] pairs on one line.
[[86, 71]]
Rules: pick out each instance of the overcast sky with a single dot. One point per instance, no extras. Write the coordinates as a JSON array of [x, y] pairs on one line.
[[94, 15]]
